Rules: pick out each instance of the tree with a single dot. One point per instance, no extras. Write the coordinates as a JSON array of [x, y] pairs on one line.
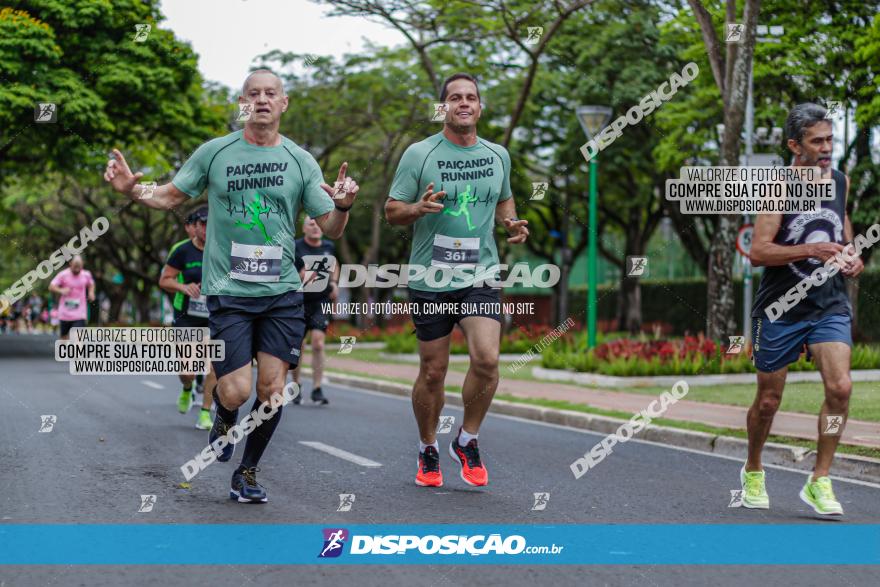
[[731, 74], [839, 65], [144, 97]]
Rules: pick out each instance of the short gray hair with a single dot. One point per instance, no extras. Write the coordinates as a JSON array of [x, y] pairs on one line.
[[802, 117], [255, 72]]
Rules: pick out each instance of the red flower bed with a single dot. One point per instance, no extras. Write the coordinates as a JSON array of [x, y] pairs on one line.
[[626, 348]]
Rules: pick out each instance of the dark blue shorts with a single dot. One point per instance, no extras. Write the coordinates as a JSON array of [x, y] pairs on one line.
[[66, 325], [271, 324], [431, 325], [316, 318], [184, 321], [779, 344]]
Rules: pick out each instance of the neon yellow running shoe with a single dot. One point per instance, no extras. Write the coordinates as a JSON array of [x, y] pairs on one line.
[[819, 496], [185, 401], [205, 421], [754, 493]]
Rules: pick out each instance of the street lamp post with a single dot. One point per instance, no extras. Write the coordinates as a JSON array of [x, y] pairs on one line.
[[592, 119]]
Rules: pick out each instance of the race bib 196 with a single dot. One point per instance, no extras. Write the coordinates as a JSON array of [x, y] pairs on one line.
[[450, 251], [255, 262], [198, 307]]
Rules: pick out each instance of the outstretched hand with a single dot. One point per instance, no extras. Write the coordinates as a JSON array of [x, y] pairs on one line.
[[517, 230], [344, 190], [119, 175]]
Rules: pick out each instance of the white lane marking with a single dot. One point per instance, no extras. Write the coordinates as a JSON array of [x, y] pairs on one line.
[[152, 384], [600, 435], [339, 453]]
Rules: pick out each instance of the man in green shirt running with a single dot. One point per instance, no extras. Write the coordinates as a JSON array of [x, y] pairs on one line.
[[257, 181], [454, 232]]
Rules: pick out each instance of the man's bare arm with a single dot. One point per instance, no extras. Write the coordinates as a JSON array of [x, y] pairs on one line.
[[122, 180], [333, 223], [403, 214], [766, 253]]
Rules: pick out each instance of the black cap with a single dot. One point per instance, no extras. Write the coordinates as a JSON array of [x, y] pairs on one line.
[[196, 215]]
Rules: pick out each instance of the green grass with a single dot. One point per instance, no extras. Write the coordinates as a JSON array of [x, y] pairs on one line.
[[803, 398], [563, 405]]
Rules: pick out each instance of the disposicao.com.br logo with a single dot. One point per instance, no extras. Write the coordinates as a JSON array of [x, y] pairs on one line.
[[334, 540]]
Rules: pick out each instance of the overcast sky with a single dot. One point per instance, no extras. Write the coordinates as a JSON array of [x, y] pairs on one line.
[[229, 34]]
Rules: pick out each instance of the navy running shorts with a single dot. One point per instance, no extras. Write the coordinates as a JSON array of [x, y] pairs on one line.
[[270, 324], [432, 324], [316, 318], [185, 321], [66, 325], [778, 344]]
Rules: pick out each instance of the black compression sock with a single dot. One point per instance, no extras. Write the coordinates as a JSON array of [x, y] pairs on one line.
[[227, 416], [259, 438]]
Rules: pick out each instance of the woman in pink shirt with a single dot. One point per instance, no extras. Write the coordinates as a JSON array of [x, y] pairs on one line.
[[73, 285]]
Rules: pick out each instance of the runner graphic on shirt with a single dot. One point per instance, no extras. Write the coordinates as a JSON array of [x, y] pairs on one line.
[[464, 199], [256, 208]]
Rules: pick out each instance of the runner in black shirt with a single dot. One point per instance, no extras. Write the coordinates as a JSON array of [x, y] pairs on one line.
[[312, 254], [182, 277], [794, 249]]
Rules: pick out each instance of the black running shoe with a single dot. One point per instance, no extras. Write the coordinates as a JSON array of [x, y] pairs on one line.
[[245, 488], [318, 397], [221, 428]]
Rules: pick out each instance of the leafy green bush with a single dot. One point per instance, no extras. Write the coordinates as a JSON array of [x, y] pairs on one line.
[[569, 358]]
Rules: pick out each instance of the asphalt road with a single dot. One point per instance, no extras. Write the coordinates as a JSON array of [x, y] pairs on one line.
[[117, 438]]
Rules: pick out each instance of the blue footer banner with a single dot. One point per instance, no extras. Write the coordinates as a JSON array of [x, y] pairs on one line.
[[453, 544]]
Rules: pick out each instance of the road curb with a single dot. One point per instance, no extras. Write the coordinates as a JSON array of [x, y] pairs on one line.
[[848, 466]]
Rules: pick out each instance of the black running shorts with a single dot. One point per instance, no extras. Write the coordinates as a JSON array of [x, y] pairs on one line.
[[316, 318], [271, 324], [435, 314], [66, 325]]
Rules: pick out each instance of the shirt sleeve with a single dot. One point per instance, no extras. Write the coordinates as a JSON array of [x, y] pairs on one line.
[[405, 186], [176, 260], [505, 183], [316, 202], [58, 280], [193, 176]]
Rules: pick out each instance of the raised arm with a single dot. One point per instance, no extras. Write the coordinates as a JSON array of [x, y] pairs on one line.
[[343, 193], [122, 180]]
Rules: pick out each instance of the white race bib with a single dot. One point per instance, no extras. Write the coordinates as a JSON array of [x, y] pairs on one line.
[[255, 262], [198, 307], [451, 251]]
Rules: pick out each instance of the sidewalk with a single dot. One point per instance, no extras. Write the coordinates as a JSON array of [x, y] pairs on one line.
[[857, 432]]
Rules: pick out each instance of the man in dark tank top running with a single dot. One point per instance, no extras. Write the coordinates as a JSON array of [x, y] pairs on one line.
[[788, 316]]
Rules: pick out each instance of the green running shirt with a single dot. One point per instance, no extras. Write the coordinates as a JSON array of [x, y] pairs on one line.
[[254, 196], [475, 179]]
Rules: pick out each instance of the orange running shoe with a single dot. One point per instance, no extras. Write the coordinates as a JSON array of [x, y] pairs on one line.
[[472, 470], [429, 474]]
